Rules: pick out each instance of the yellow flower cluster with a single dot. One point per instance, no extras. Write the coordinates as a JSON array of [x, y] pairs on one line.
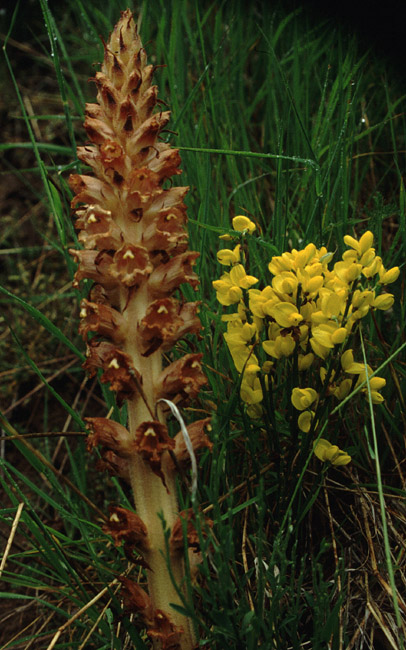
[[305, 312]]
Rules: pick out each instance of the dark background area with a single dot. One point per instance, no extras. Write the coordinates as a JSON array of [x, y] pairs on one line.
[[380, 27]]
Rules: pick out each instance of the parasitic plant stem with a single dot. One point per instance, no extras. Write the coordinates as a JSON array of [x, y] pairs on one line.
[[131, 224]]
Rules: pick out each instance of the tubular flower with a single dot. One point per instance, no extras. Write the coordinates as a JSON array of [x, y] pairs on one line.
[[132, 227]]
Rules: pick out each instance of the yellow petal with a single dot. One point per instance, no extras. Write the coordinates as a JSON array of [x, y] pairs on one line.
[[227, 256], [286, 314], [350, 241], [365, 242], [384, 301], [339, 336], [390, 276], [241, 223], [324, 451], [304, 421], [302, 398], [347, 359]]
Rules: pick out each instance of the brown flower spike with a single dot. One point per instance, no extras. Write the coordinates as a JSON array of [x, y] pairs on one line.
[[132, 227]]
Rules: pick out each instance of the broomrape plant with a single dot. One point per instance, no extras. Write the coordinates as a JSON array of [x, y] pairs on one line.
[[297, 330], [132, 229]]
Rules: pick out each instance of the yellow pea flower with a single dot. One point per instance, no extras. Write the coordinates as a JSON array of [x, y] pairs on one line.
[[366, 242], [373, 268], [375, 384], [384, 301], [305, 361], [251, 391], [376, 397], [350, 241], [228, 257], [362, 298], [368, 257], [282, 346], [267, 367], [242, 224], [303, 257], [349, 365], [325, 451], [312, 284], [318, 317], [329, 334], [343, 389], [302, 398], [239, 277], [229, 286], [321, 350], [304, 421], [286, 314], [258, 299], [347, 270], [350, 255], [238, 337], [361, 246], [307, 310], [227, 292], [281, 263], [386, 277], [285, 282], [332, 303]]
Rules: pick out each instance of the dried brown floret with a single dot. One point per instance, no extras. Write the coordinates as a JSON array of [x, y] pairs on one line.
[[168, 634], [166, 233], [119, 371], [146, 134], [96, 355], [114, 465], [168, 277], [94, 265], [165, 322], [151, 440], [109, 434], [131, 265], [102, 319], [98, 229], [198, 438], [126, 526], [88, 189], [182, 380], [176, 541], [136, 600]]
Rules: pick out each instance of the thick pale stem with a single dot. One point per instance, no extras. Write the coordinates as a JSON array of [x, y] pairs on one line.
[[154, 502]]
